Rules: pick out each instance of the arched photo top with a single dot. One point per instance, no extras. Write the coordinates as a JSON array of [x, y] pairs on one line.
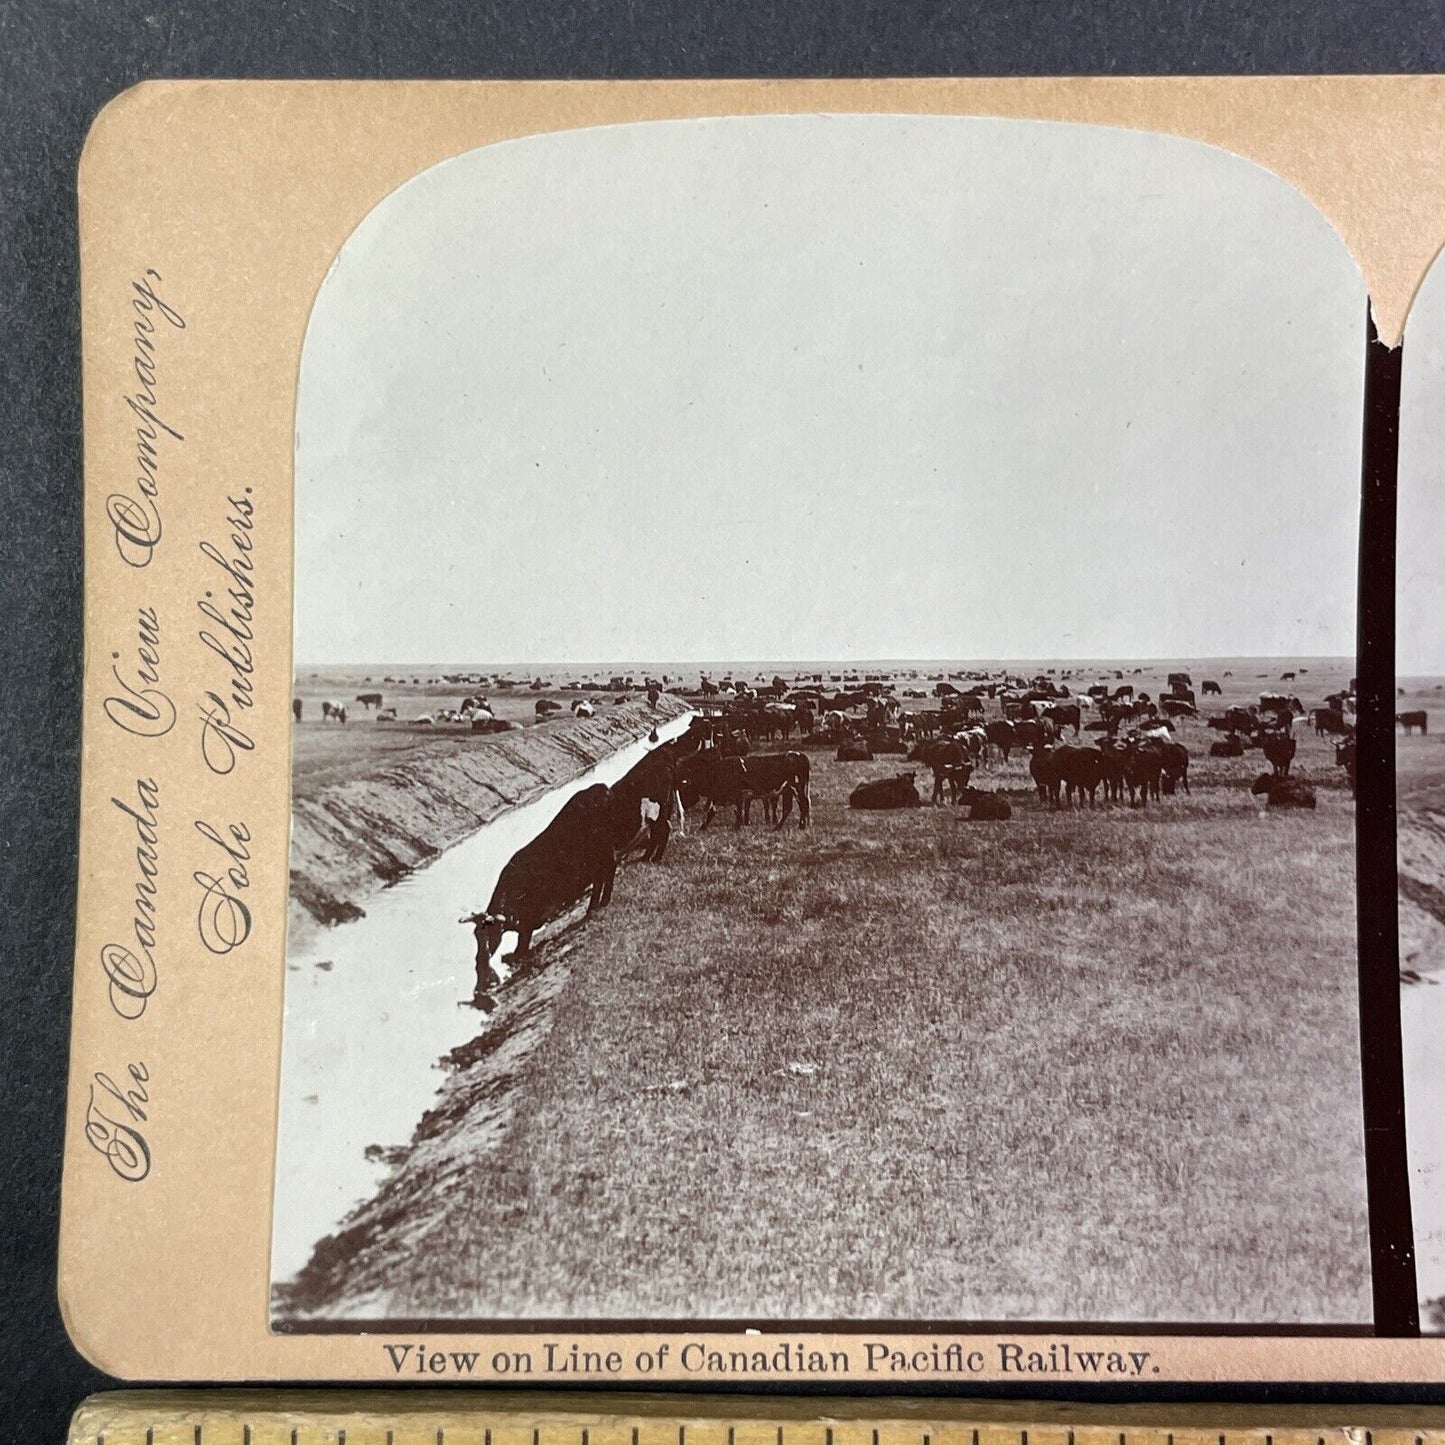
[[613, 392]]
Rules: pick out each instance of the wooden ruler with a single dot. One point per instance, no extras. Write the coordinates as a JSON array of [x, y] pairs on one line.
[[353, 1417]]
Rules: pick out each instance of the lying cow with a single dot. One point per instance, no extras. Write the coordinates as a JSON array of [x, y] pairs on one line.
[[1230, 747], [984, 806], [1283, 791], [897, 792]]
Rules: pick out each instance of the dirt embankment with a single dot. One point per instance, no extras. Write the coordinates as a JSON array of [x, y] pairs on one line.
[[1420, 854], [361, 831]]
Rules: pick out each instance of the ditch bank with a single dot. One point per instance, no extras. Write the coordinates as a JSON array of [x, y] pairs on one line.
[[358, 835], [352, 1273]]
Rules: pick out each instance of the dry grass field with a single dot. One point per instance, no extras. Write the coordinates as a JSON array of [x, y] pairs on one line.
[[1420, 846], [1420, 796], [1078, 1065]]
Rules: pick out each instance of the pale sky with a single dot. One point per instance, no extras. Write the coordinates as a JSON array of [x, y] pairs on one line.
[[1420, 520], [832, 387]]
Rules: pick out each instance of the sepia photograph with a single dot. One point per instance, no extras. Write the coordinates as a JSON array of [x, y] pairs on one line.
[[822, 751], [1420, 778]]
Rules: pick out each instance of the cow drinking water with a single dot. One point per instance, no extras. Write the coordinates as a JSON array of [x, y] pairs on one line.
[[572, 856]]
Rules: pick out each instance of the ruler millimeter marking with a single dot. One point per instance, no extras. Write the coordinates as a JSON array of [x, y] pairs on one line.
[[357, 1417]]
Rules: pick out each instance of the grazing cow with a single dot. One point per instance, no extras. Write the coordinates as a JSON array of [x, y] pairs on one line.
[[296, 708], [1279, 751], [1125, 693], [984, 806], [897, 792], [1209, 686], [1283, 792], [854, 750], [369, 700], [940, 755], [1230, 747], [1179, 680], [572, 856], [1412, 720], [1286, 677]]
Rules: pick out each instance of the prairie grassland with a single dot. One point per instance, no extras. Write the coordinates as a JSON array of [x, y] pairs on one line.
[[1076, 1066]]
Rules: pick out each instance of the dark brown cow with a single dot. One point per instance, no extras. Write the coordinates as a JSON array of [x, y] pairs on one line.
[[1174, 767], [1081, 770], [1283, 792], [1412, 720], [1115, 755], [984, 806], [572, 856], [1143, 771], [897, 792], [1279, 751], [1064, 715], [1330, 720], [941, 755], [772, 778], [1000, 732]]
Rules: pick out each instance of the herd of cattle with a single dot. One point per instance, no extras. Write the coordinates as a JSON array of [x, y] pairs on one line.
[[714, 765]]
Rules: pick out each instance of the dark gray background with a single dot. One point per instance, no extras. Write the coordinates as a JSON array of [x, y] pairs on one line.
[[60, 62]]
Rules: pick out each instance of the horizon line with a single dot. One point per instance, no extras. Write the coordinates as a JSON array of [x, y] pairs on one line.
[[712, 664]]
